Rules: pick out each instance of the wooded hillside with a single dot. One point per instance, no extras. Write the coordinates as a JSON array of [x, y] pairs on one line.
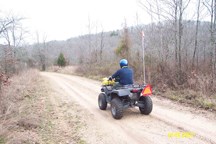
[[180, 53]]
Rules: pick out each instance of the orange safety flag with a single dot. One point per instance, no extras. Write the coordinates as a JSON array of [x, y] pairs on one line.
[[147, 91]]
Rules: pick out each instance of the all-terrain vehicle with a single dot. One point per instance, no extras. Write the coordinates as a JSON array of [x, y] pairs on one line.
[[124, 97]]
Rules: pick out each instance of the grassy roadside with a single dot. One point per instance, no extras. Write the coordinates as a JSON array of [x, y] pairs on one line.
[[190, 97], [33, 116]]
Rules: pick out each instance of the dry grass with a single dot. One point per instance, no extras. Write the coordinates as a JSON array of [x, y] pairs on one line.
[[65, 70], [30, 116], [14, 97], [97, 71], [16, 90], [191, 97]]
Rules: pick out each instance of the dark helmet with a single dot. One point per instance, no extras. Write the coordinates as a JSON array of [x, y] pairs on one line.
[[123, 62]]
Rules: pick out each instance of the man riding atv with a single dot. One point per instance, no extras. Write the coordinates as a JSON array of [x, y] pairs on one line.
[[123, 76], [121, 93]]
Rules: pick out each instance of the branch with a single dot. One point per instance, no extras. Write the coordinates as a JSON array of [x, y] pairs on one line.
[[150, 11], [186, 5], [207, 5], [4, 27]]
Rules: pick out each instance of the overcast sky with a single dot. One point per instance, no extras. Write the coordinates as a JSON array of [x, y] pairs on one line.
[[62, 19]]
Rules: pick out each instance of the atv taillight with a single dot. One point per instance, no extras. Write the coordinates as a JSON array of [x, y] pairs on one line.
[[134, 90], [147, 91]]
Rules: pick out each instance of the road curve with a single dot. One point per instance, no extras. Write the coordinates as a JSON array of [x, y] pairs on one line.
[[169, 123]]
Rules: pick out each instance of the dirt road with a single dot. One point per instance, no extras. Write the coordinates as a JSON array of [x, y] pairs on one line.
[[167, 124]]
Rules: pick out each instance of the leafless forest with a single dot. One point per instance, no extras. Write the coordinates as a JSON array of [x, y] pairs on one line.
[[180, 47]]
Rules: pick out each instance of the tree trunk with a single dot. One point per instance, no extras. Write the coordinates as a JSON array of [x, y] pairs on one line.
[[176, 34], [180, 35], [101, 45], [196, 35], [214, 37]]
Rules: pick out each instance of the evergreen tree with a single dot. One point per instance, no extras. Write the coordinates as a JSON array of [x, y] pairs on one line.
[[61, 60]]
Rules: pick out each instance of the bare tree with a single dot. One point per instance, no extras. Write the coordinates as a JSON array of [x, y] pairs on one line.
[[214, 23], [123, 50], [101, 45], [179, 8], [211, 6], [5, 23], [196, 34], [12, 33], [41, 51], [173, 11], [89, 38]]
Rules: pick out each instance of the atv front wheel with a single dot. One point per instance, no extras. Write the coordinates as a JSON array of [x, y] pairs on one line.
[[147, 102], [117, 108], [102, 101]]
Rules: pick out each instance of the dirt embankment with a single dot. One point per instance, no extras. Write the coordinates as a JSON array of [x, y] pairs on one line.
[[38, 115]]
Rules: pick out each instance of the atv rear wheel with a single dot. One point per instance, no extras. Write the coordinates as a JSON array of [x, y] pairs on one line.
[[116, 108], [102, 101], [147, 102]]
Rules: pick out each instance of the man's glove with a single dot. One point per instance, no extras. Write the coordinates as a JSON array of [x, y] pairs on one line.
[[110, 78]]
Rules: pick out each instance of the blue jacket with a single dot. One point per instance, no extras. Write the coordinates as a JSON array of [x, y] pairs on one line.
[[124, 76]]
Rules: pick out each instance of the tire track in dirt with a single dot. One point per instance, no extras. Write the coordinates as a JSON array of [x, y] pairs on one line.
[[87, 103], [134, 127]]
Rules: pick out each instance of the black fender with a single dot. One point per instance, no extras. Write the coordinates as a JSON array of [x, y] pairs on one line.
[[120, 92]]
